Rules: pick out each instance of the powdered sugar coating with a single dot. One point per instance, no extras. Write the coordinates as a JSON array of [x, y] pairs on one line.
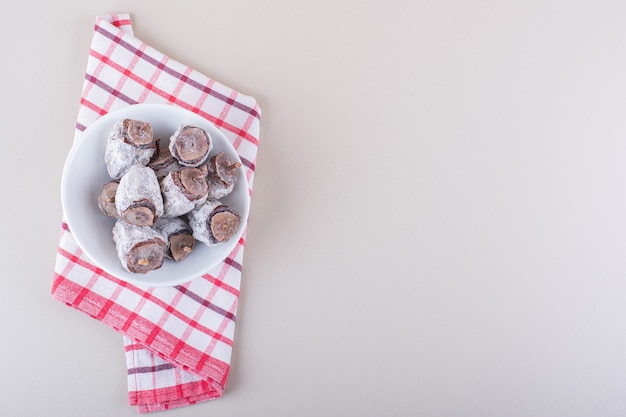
[[175, 202], [198, 220], [170, 227], [217, 189], [163, 170], [163, 162], [120, 156], [140, 182], [126, 236], [179, 136]]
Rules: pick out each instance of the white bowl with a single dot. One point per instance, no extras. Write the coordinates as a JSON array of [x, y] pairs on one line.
[[85, 173]]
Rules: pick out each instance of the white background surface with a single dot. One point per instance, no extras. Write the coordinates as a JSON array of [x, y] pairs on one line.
[[438, 224]]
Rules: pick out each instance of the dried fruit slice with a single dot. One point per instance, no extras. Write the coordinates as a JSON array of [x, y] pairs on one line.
[[190, 145], [106, 199], [137, 133], [140, 213], [192, 182], [178, 237], [181, 246], [140, 249], [223, 223], [183, 190], [224, 169], [130, 142], [138, 199], [162, 161], [222, 176], [213, 222], [145, 256]]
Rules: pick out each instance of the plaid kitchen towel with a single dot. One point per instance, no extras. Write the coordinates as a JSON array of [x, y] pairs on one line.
[[178, 340]]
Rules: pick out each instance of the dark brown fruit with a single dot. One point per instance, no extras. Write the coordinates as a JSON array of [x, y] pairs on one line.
[[222, 169], [192, 182], [162, 158], [106, 199], [141, 213], [181, 246], [146, 256], [191, 146], [138, 133], [223, 223]]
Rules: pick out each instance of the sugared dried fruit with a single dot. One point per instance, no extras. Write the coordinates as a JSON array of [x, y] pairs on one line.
[[222, 176], [224, 223], [145, 256], [190, 145], [131, 142], [162, 161], [137, 133], [140, 249], [138, 198], [183, 190], [192, 182], [223, 169], [181, 245], [106, 199], [140, 213], [166, 198], [178, 237], [213, 222]]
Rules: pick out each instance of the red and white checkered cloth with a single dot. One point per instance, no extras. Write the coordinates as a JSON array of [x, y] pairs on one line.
[[178, 340]]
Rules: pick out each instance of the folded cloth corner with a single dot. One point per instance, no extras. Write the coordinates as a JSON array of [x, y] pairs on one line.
[[178, 340]]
